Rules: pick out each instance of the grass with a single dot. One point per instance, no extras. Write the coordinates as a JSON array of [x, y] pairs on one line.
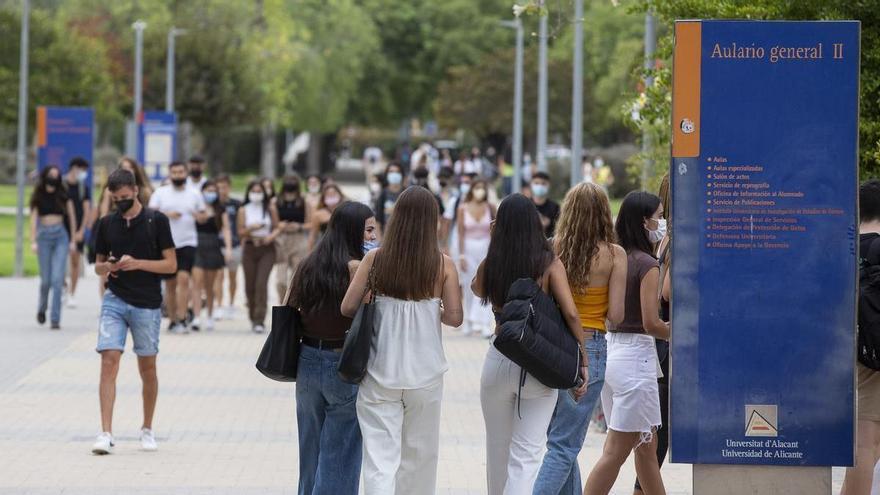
[[9, 195], [615, 206], [7, 248]]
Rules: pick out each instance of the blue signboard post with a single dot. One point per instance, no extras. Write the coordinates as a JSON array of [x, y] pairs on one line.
[[764, 257], [64, 133], [157, 142]]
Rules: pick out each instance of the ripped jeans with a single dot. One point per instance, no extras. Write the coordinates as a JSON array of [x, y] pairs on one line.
[[630, 398]]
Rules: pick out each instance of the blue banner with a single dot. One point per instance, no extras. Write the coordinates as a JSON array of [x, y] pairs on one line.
[[764, 255], [157, 143], [64, 133]]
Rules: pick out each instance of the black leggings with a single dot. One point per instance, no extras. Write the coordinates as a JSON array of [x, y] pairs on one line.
[[663, 432]]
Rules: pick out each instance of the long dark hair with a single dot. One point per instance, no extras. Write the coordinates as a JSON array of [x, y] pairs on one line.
[[219, 210], [518, 248], [637, 206], [40, 192], [247, 193], [408, 263], [322, 278]]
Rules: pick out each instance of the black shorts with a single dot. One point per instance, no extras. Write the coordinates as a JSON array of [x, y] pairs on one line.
[[186, 256]]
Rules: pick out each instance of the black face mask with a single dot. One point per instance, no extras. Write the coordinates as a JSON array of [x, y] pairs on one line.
[[53, 181], [196, 173], [290, 188], [178, 182], [123, 205], [444, 183]]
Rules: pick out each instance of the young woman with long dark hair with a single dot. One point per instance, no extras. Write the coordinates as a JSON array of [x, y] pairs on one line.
[[50, 208], [398, 404], [596, 269], [211, 255], [630, 397], [258, 226], [517, 413], [329, 436]]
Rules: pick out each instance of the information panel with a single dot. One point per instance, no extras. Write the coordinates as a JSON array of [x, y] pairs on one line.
[[764, 269], [64, 133], [157, 143]]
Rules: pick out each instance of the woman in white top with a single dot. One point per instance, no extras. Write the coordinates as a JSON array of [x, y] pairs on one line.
[[475, 216], [258, 226], [398, 402]]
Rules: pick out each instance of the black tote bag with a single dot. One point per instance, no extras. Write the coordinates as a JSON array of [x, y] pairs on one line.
[[280, 355], [352, 365]]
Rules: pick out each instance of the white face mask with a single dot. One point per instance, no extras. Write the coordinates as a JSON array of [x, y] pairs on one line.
[[656, 236], [331, 200], [314, 189], [375, 187], [464, 188], [255, 197], [395, 178], [82, 176], [479, 194]]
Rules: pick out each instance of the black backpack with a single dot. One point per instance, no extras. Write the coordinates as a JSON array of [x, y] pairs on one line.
[[869, 307], [533, 334]]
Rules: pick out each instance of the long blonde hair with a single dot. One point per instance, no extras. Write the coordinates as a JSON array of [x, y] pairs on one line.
[[584, 224]]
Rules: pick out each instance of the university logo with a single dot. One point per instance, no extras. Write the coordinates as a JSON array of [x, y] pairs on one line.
[[761, 421]]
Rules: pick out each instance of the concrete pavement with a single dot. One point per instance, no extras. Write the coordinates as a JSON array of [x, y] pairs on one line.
[[223, 428]]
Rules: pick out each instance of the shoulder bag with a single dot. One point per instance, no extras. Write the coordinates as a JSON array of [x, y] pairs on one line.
[[352, 365], [280, 355]]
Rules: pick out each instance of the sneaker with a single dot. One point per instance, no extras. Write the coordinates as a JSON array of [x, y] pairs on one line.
[[259, 329], [55, 326], [229, 312], [209, 324], [71, 302], [196, 324], [104, 444], [148, 441], [179, 327], [41, 317]]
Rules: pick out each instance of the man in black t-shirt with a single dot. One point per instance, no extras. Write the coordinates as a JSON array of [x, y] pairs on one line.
[[134, 248], [80, 193], [547, 208]]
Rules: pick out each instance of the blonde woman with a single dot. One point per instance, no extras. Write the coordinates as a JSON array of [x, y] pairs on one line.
[[596, 269]]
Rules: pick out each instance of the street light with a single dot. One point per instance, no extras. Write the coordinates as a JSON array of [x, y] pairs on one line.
[[139, 27], [577, 96], [517, 104], [542, 95], [173, 33], [21, 162], [650, 48]]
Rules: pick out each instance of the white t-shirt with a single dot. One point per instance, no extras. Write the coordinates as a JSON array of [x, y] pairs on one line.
[[196, 184], [185, 201]]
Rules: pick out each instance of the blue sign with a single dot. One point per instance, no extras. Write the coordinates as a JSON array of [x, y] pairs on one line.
[[764, 211], [64, 133], [157, 143]]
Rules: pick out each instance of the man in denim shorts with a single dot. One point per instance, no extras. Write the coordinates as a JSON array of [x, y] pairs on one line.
[[134, 248]]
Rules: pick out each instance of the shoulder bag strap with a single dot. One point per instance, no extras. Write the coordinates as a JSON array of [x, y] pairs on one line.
[[664, 267]]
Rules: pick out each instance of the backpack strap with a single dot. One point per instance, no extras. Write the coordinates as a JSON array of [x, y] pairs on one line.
[[872, 257]]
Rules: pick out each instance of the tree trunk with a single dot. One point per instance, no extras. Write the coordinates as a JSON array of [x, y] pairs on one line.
[[313, 158], [268, 154]]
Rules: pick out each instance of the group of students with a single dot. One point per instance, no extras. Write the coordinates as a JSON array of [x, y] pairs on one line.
[[388, 426]]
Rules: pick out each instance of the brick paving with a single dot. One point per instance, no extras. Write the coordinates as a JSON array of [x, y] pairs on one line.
[[222, 427]]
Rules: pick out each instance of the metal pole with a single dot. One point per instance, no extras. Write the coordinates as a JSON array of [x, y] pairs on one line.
[[518, 111], [577, 97], [542, 95], [169, 72], [21, 162], [139, 27], [650, 48]]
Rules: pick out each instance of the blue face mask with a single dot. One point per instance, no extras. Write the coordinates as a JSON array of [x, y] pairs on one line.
[[369, 246], [210, 197]]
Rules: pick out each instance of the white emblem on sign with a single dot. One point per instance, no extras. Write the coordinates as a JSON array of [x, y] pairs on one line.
[[682, 168], [761, 421], [687, 126]]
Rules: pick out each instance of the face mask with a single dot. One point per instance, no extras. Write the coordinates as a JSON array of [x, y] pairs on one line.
[[210, 197], [53, 181], [539, 190], [178, 182], [196, 173], [314, 189], [123, 205], [395, 178], [255, 197], [369, 246], [290, 188], [464, 188], [443, 184], [331, 200], [656, 236], [82, 176], [479, 194]]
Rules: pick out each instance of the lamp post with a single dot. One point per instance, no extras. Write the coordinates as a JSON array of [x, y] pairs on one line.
[[517, 104], [173, 33], [542, 95], [139, 27], [21, 161], [650, 48], [577, 97]]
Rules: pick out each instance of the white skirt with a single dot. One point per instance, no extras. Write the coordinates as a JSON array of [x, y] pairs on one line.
[[630, 397]]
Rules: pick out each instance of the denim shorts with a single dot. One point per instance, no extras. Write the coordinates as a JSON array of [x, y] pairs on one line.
[[117, 317]]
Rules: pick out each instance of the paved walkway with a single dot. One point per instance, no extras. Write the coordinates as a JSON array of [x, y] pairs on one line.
[[222, 427]]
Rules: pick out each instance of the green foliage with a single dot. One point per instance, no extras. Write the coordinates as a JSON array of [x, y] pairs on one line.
[[654, 106]]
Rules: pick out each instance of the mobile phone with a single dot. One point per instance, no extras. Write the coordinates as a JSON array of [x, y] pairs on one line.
[[112, 260], [571, 391]]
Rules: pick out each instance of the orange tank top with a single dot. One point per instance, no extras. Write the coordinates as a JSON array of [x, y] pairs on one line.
[[592, 306]]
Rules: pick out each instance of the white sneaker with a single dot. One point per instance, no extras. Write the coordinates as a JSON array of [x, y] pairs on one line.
[[179, 328], [148, 441], [196, 324], [259, 329], [209, 324], [71, 302], [104, 444], [219, 314], [230, 312]]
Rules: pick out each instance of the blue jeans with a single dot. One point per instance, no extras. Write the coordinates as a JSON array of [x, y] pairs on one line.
[[52, 247], [329, 436], [559, 473]]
